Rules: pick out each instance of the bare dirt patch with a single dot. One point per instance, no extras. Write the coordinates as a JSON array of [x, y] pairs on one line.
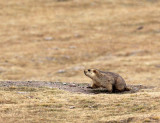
[[71, 87]]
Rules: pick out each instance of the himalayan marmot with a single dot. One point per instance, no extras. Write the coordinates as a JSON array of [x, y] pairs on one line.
[[111, 81]]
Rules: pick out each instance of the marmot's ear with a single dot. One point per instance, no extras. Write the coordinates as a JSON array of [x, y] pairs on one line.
[[95, 71]]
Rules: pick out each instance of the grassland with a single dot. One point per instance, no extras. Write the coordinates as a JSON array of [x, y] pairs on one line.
[[54, 40]]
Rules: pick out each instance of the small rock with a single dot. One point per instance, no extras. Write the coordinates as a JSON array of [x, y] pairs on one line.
[[72, 107], [30, 96], [56, 48], [107, 57], [64, 83], [61, 0], [48, 38], [90, 106], [78, 35], [140, 27], [157, 31], [158, 66], [22, 92], [66, 57], [50, 58], [72, 85], [61, 71], [77, 68], [2, 70], [72, 47]]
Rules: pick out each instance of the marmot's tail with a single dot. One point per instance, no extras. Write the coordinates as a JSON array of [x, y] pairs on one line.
[[127, 89]]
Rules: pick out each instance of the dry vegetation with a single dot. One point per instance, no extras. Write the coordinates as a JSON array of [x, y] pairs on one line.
[[54, 40]]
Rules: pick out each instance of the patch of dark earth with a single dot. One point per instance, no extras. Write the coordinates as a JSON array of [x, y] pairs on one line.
[[71, 87]]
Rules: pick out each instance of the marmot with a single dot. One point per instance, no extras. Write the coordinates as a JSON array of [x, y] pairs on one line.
[[111, 81]]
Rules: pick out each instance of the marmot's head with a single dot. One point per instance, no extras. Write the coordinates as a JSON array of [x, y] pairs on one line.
[[92, 73]]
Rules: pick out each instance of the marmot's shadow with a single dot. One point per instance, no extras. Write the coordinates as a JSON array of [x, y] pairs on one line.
[[134, 89]]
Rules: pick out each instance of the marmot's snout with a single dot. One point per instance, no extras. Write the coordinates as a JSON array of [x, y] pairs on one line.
[[86, 71]]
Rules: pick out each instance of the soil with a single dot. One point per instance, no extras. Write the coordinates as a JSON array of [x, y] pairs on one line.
[[71, 87]]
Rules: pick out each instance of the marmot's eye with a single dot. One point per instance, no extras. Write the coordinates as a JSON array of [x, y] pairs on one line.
[[89, 70]]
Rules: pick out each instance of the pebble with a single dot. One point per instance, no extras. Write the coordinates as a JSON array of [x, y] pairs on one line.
[[72, 85], [61, 71], [72, 107], [72, 47], [22, 92], [140, 27], [48, 38]]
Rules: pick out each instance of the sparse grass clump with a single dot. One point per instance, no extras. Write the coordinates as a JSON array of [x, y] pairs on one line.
[[61, 106]]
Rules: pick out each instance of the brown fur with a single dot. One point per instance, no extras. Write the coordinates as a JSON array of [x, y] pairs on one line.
[[110, 81]]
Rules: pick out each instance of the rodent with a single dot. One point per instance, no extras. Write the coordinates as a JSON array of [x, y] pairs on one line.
[[113, 82]]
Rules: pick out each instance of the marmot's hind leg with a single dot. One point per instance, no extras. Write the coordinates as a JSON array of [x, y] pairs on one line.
[[113, 89], [109, 88], [120, 84]]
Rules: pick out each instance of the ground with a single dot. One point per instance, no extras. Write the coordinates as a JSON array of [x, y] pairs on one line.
[[47, 41]]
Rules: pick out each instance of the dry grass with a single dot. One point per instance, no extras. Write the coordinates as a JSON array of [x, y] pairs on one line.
[[52, 105], [54, 40]]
